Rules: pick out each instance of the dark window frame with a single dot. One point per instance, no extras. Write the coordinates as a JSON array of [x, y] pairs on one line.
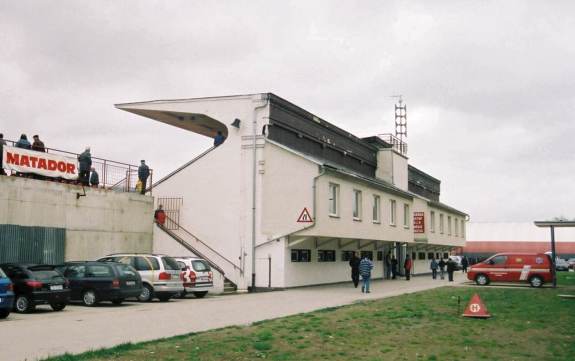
[[301, 255], [326, 255]]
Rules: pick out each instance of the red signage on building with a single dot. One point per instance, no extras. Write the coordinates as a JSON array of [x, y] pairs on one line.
[[46, 164], [418, 222]]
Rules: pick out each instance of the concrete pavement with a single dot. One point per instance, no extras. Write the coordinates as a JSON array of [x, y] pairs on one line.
[[78, 329]]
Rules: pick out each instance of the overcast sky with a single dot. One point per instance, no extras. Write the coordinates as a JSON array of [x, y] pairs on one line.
[[490, 85]]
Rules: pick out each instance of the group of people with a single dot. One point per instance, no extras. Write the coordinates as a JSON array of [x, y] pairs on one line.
[[87, 174], [363, 267]]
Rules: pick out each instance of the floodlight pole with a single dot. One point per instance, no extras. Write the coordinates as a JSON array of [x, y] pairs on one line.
[[553, 257]]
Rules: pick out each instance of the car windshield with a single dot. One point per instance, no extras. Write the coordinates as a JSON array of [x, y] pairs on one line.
[[47, 276], [170, 264], [200, 266], [126, 270]]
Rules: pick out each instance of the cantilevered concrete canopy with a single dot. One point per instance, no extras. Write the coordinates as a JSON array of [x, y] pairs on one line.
[[193, 122]]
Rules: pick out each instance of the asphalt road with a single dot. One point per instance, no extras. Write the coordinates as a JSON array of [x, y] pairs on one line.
[[78, 329]]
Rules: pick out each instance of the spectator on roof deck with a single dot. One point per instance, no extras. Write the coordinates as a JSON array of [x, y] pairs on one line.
[[2, 144], [219, 139], [38, 145], [85, 160], [143, 174], [94, 178], [23, 142]]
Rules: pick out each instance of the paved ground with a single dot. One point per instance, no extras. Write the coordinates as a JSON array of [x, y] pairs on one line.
[[78, 329]]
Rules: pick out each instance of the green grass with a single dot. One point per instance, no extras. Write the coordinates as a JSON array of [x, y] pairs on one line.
[[527, 324]]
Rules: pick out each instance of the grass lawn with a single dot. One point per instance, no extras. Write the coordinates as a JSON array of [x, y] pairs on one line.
[[527, 324]]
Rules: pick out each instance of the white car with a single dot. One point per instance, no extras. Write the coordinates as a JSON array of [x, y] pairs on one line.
[[197, 276]]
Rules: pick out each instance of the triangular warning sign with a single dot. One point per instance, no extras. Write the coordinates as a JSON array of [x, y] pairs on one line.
[[476, 308], [305, 217]]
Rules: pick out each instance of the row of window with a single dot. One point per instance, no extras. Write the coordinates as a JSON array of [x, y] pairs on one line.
[[430, 255], [328, 255], [376, 212], [456, 223]]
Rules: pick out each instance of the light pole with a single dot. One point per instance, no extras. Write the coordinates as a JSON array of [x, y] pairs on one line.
[[551, 225]]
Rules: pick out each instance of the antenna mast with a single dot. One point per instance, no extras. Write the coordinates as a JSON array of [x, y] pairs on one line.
[[400, 118]]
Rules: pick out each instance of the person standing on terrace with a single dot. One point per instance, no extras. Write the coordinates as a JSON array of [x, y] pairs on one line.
[[85, 160], [143, 174], [38, 145]]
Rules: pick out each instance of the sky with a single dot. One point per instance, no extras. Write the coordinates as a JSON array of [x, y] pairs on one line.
[[489, 85]]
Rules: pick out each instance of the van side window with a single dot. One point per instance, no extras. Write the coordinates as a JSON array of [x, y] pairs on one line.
[[498, 260], [141, 264]]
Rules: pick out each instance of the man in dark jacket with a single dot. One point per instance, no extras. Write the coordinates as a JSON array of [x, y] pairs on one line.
[[450, 269], [388, 265], [38, 145], [85, 160], [354, 264], [393, 267], [143, 174], [23, 142], [441, 265], [407, 267], [464, 264], [365, 267], [94, 178]]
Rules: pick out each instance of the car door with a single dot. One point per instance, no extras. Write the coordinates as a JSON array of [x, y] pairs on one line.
[[498, 268], [99, 277], [76, 275], [517, 269]]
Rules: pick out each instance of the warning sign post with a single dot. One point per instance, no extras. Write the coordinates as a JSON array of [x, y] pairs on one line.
[[475, 308]]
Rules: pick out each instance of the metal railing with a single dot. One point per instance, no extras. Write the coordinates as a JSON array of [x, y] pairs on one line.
[[395, 142], [117, 176]]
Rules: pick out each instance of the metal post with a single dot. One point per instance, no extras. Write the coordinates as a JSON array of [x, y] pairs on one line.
[[553, 257], [269, 271]]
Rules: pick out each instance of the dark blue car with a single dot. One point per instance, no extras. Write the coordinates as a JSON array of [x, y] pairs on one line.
[[6, 295]]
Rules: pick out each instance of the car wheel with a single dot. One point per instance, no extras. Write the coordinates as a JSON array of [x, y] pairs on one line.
[[58, 306], [482, 280], [147, 294], [4, 314], [164, 298], [89, 298], [200, 294], [118, 301], [536, 281], [22, 304]]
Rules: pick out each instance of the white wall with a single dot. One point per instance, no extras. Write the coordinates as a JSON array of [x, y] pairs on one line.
[[515, 231], [100, 223]]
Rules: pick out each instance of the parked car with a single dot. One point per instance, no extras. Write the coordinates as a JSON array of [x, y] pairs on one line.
[[6, 295], [94, 282], [197, 276], [37, 285], [561, 264], [457, 260], [160, 274], [532, 268], [571, 262]]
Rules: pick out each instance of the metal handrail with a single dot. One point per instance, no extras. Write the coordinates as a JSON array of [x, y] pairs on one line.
[[184, 166], [203, 243]]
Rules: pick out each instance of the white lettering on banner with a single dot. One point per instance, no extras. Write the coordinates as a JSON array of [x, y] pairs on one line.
[[525, 272], [46, 164]]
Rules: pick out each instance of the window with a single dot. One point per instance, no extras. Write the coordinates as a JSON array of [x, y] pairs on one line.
[[301, 255], [380, 255], [99, 271], [170, 264], [430, 255], [432, 221], [463, 228], [346, 255], [498, 260], [201, 266], [392, 211], [437, 255], [333, 199], [456, 227], [376, 209], [441, 227], [155, 264], [368, 254], [421, 255], [406, 215], [141, 264], [413, 255], [449, 225], [356, 205], [445, 255], [325, 255], [75, 271]]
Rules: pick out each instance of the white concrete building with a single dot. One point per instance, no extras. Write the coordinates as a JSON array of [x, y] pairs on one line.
[[288, 196]]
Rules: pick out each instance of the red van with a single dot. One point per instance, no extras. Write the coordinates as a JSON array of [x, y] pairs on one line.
[[534, 268]]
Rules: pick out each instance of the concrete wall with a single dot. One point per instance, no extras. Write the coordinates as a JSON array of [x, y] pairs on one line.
[[100, 223]]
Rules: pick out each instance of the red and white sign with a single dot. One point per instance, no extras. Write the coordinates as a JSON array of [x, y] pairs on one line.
[[476, 308], [418, 222], [305, 217], [46, 164]]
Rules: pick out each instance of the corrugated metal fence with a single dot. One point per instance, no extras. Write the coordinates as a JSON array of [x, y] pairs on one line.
[[32, 244]]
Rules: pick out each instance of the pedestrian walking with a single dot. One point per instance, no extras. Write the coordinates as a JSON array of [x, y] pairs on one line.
[[388, 265], [354, 264], [365, 267], [393, 267], [442, 265], [464, 264], [143, 174], [38, 145], [407, 267], [450, 269], [94, 178], [85, 160], [433, 267]]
